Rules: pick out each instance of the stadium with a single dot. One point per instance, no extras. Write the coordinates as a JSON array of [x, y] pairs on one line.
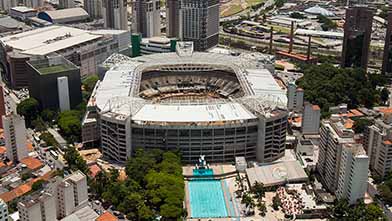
[[201, 103]]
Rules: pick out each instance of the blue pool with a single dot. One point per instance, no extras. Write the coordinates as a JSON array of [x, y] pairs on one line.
[[203, 172], [206, 199]]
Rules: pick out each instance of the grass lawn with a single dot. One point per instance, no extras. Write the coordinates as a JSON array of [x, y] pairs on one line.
[[234, 9], [54, 69], [280, 29]]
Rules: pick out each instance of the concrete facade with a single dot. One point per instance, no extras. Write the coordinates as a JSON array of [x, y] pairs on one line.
[[311, 119], [146, 18], [3, 211], [15, 137], [41, 206], [295, 97], [387, 58], [199, 22], [63, 92], [115, 14], [93, 8], [353, 173]]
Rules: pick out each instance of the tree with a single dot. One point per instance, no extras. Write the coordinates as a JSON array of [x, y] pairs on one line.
[[89, 82], [276, 202], [258, 190], [280, 3], [75, 161], [49, 139], [29, 109], [38, 124], [361, 124], [297, 15], [49, 115], [384, 95], [341, 208], [37, 185], [262, 208], [70, 125], [326, 23]]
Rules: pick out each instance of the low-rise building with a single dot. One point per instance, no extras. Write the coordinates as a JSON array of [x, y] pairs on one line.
[[55, 83], [64, 16], [22, 13], [40, 206]]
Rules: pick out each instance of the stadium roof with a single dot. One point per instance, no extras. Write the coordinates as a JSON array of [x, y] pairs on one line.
[[43, 41], [65, 15], [118, 92], [317, 10]]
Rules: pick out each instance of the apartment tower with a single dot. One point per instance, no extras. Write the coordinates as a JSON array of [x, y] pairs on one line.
[[357, 37], [115, 14]]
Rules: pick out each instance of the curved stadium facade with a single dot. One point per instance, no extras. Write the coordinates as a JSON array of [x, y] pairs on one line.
[[217, 105]]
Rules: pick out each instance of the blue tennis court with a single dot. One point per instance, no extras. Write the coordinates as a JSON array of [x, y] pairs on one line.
[[206, 199]]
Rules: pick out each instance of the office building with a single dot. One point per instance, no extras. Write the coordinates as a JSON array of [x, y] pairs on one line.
[[63, 92], [295, 97], [86, 49], [353, 173], [387, 58], [55, 83], [15, 137], [334, 132], [66, 4], [172, 18], [93, 8], [33, 3], [146, 18], [378, 144], [115, 14], [199, 22], [39, 206], [357, 37], [2, 106], [3, 211], [71, 194], [6, 5], [311, 119]]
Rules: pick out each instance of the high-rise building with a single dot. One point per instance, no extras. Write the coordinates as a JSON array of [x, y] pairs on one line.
[[378, 145], [2, 106], [33, 3], [311, 119], [353, 173], [63, 92], [15, 137], [295, 97], [146, 18], [387, 58], [357, 37], [66, 4], [71, 194], [40, 206], [93, 8], [3, 211], [55, 83], [115, 14], [199, 22], [333, 134], [172, 18], [6, 5]]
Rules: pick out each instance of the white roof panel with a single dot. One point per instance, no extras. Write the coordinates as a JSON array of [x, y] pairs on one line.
[[192, 113]]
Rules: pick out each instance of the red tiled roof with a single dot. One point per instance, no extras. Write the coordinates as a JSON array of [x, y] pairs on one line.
[[106, 216], [387, 142], [94, 170], [3, 149], [315, 107], [31, 163]]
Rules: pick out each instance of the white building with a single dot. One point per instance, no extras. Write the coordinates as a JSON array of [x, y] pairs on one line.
[[33, 3], [115, 14], [353, 173], [15, 137], [333, 134], [71, 194], [40, 206], [378, 144], [146, 18], [295, 97], [311, 119], [63, 92], [3, 211], [93, 8], [22, 12], [66, 4]]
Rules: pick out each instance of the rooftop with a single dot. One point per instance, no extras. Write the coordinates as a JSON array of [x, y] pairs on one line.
[[23, 9], [106, 216], [67, 13], [31, 163], [43, 41]]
